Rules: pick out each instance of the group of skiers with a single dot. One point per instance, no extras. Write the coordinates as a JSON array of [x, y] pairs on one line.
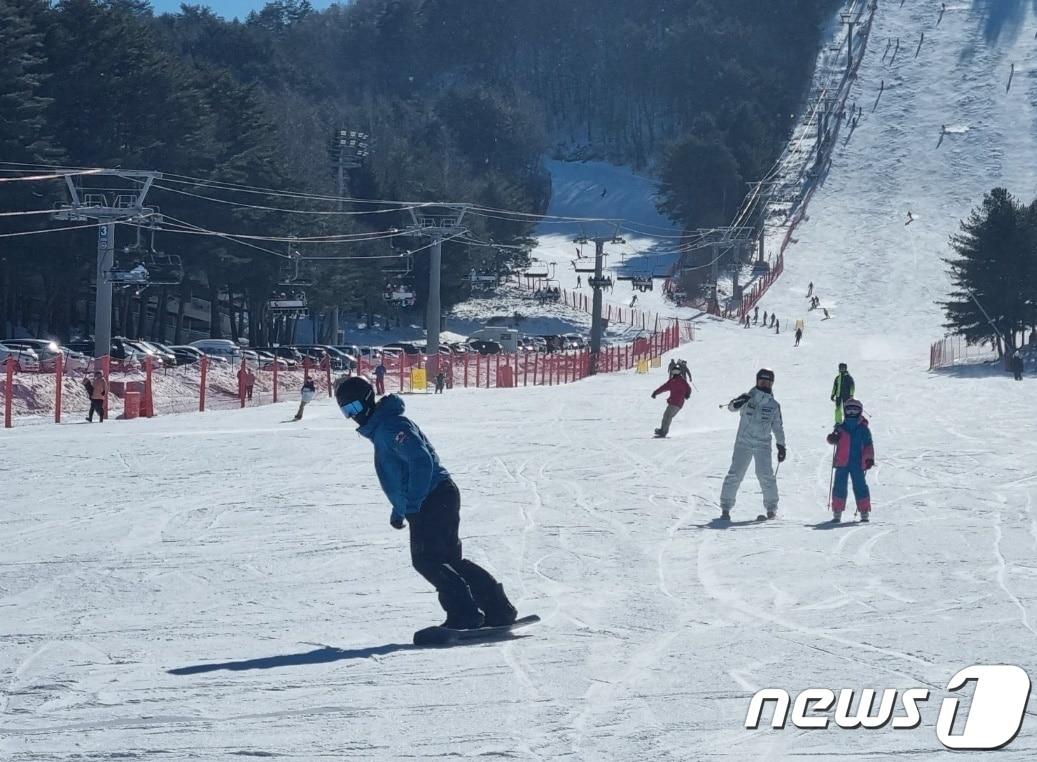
[[760, 421], [774, 322]]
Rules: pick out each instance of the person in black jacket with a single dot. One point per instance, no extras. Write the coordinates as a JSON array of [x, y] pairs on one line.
[[1017, 365]]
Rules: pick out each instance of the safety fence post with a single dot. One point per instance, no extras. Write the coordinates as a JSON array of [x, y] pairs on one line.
[[59, 375]]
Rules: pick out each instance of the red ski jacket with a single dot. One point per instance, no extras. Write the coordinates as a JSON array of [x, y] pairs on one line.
[[678, 388]]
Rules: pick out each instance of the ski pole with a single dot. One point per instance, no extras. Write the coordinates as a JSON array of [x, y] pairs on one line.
[[831, 480], [776, 469]]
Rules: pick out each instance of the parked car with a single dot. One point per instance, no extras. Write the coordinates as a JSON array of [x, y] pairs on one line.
[[460, 348], [404, 346], [186, 355], [291, 355], [339, 359], [223, 348], [350, 349], [156, 352], [47, 352], [267, 361], [573, 341], [485, 347], [25, 360]]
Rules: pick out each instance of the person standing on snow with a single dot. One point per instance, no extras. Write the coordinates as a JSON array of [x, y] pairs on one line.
[[98, 390], [424, 496], [760, 417], [810, 289], [799, 335], [379, 378], [756, 315], [854, 454], [1017, 365], [842, 390], [679, 389]]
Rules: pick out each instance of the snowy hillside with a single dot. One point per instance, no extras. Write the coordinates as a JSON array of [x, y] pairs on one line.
[[222, 585]]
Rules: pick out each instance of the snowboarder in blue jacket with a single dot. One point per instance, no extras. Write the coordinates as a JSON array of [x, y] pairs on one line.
[[424, 496]]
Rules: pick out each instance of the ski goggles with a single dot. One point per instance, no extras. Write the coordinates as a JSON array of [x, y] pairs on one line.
[[352, 409]]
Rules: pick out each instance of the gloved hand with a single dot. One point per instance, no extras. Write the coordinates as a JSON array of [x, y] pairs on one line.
[[781, 453], [832, 438], [832, 398], [740, 400], [869, 463], [396, 522], [687, 395], [653, 395]]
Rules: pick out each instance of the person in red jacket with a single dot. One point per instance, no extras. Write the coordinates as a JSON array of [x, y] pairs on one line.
[[679, 390]]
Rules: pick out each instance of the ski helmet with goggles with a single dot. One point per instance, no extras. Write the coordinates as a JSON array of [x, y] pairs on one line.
[[675, 370], [355, 398], [842, 366], [852, 408], [765, 374]]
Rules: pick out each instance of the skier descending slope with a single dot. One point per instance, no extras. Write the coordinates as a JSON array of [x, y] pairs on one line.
[[422, 493], [854, 454], [760, 417]]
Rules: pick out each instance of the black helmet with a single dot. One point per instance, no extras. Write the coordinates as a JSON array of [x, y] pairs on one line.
[[355, 390], [842, 366], [765, 374]]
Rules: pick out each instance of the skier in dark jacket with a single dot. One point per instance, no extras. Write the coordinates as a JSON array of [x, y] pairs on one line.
[[854, 454], [842, 390], [1017, 365], [423, 494]]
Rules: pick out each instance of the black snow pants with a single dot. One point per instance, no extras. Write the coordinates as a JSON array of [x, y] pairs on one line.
[[96, 406], [464, 587]]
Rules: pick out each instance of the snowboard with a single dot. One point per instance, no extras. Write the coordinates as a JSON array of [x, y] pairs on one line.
[[445, 636]]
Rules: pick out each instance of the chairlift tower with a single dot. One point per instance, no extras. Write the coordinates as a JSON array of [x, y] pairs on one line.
[[108, 207], [436, 226], [597, 282]]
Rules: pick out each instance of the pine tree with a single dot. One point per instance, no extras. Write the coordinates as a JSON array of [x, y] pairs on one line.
[[994, 273]]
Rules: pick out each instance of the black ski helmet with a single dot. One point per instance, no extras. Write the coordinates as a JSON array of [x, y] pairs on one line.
[[356, 389], [852, 408], [765, 374], [842, 366]]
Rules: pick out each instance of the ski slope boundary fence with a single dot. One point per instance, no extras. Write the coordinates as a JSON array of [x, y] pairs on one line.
[[144, 391], [616, 315], [954, 350]]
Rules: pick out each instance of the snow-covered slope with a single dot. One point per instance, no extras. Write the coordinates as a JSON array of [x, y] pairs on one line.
[[255, 559]]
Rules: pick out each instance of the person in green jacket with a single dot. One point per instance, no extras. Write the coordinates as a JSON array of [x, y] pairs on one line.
[[842, 390]]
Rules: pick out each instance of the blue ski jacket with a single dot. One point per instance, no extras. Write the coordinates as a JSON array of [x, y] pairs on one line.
[[406, 463]]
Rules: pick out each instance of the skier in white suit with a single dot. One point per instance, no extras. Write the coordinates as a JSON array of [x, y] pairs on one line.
[[760, 417]]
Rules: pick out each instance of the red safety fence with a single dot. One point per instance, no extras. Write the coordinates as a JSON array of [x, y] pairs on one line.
[[212, 384], [954, 350]]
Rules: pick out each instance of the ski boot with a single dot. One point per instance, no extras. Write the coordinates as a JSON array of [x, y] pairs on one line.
[[771, 513], [837, 517], [498, 608], [659, 434], [725, 514], [464, 621], [865, 517]]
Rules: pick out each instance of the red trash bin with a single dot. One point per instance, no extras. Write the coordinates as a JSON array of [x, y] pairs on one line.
[[131, 405], [505, 377]]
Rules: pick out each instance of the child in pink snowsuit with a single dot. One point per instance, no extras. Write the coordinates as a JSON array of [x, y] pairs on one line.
[[854, 454]]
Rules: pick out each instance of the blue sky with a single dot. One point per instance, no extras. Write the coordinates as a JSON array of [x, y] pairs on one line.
[[225, 8]]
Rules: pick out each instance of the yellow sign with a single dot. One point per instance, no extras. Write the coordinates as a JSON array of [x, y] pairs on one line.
[[418, 380], [642, 366], [657, 362]]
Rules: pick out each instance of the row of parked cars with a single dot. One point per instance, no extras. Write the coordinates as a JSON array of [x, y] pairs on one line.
[[32, 355]]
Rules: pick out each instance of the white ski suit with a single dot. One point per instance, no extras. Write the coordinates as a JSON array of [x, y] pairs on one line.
[[760, 416]]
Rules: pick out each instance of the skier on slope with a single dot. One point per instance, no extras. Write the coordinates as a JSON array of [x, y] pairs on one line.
[[760, 417], [306, 395], [1017, 365], [424, 496], [679, 389], [799, 334], [842, 390], [854, 454]]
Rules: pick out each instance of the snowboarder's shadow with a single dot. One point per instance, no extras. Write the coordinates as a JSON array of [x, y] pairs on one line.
[[318, 656]]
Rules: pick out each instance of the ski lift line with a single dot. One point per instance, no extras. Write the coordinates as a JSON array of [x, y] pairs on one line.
[[341, 238], [35, 178], [195, 230], [381, 256], [234, 187], [26, 213], [54, 230], [280, 209]]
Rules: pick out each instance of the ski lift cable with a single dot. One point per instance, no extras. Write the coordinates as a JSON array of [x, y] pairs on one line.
[[339, 238], [53, 230], [280, 209], [52, 176], [196, 230]]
